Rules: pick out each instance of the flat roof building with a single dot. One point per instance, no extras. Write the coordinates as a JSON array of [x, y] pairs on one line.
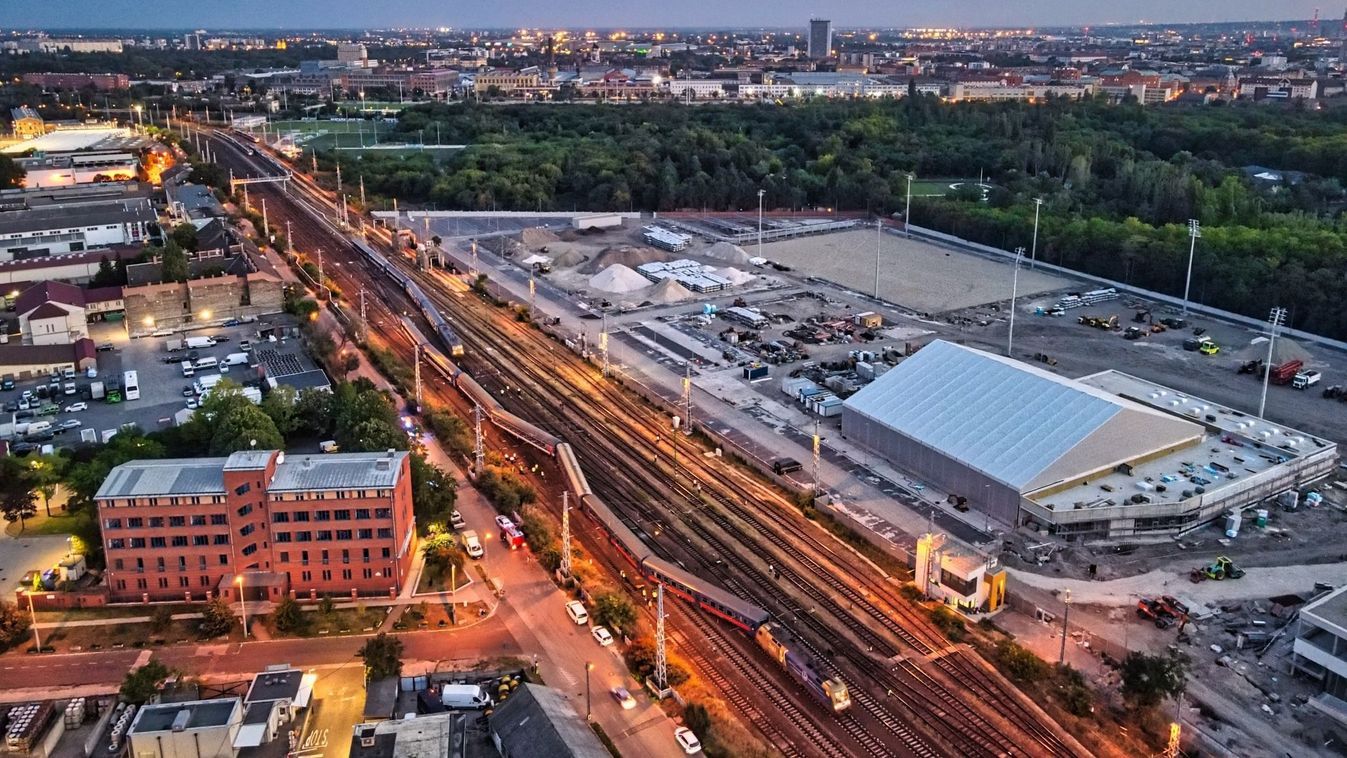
[[820, 38], [1320, 650], [33, 232], [204, 728], [1106, 456], [304, 525]]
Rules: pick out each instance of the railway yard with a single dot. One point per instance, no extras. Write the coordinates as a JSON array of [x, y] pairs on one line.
[[909, 686], [912, 691]]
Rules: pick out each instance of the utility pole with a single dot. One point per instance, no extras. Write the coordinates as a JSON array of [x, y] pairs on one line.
[[566, 534], [473, 271], [1014, 294], [603, 343], [1066, 616], [533, 293], [320, 269], [879, 241], [416, 371], [1194, 231], [687, 398], [314, 155], [761, 192], [661, 656], [589, 711], [1033, 252], [818, 486], [364, 317], [479, 445], [289, 240], [907, 214], [266, 225], [1275, 319], [362, 191]]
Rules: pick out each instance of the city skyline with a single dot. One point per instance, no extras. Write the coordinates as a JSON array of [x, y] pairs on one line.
[[305, 14]]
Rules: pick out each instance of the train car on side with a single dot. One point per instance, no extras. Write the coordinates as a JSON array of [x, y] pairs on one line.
[[632, 547], [570, 468], [705, 595], [787, 651]]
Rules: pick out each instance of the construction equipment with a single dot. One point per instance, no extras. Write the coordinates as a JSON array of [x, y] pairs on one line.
[[1286, 372], [1099, 322], [1173, 606], [1133, 333], [1142, 317], [1155, 612], [1208, 348], [1251, 367], [1051, 361], [1219, 569], [1174, 323]]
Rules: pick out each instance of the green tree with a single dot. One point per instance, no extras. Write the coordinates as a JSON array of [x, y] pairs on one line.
[[11, 174], [382, 655], [1149, 679], [13, 624], [217, 618], [314, 412], [287, 616], [161, 618], [280, 406], [327, 606], [17, 501], [615, 611], [106, 276], [172, 262], [141, 685], [697, 719], [434, 491], [86, 475], [1019, 662], [184, 235], [44, 474]]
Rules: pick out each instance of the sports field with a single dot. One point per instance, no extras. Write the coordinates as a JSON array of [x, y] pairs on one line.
[[939, 187], [325, 135]]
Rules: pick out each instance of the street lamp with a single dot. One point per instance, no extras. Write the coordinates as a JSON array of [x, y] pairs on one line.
[[37, 638], [1194, 231], [879, 241], [1275, 319], [761, 192], [137, 108], [589, 713], [1033, 251], [1066, 615], [1014, 293], [907, 213], [242, 606]]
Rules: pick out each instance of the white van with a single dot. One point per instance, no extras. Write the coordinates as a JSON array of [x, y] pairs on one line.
[[576, 610], [38, 427], [205, 363], [472, 544], [464, 696], [236, 359], [188, 369]]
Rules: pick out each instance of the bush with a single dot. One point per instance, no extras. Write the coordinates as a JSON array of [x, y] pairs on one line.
[[287, 616], [1075, 692], [613, 610], [505, 489], [142, 684], [161, 619], [13, 624], [949, 622], [1018, 662], [217, 618], [640, 659], [382, 656]]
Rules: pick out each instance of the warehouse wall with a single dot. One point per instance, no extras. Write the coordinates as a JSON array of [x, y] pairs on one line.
[[985, 495]]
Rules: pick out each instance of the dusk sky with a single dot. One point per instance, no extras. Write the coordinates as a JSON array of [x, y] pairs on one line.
[[633, 13]]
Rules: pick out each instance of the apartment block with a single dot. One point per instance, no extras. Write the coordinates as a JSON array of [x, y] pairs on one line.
[[258, 522]]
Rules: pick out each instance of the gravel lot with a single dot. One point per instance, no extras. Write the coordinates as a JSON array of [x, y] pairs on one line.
[[913, 273]]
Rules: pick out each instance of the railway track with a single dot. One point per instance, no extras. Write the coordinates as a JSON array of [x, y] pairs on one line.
[[952, 707]]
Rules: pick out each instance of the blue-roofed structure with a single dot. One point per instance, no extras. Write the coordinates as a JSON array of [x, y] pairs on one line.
[[994, 430]]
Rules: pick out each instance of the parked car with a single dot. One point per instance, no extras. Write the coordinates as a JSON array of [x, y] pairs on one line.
[[192, 404], [503, 522], [104, 347], [69, 388], [624, 698], [456, 520], [77, 407], [687, 740], [602, 636], [576, 610], [70, 423]]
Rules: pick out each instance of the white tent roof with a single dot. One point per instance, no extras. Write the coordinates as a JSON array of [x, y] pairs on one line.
[[1016, 423]]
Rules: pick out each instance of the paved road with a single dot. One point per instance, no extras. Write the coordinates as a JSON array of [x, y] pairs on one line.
[[1258, 583]]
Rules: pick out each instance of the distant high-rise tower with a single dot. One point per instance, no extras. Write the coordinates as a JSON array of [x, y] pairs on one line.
[[820, 38]]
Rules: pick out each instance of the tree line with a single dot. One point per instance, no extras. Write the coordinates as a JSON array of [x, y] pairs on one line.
[[1119, 181]]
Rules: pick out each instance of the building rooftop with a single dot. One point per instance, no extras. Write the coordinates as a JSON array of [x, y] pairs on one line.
[[38, 355], [337, 471], [281, 684], [427, 736], [1014, 422], [199, 714], [248, 460], [169, 476], [1329, 609], [538, 720], [64, 217], [45, 292]]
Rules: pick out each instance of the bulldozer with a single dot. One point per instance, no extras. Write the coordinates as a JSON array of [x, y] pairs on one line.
[[1156, 612], [1221, 568]]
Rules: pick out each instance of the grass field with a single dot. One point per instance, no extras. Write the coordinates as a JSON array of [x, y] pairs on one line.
[[325, 135], [935, 187]]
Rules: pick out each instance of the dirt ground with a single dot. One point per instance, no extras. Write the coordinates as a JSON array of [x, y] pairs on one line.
[[913, 273]]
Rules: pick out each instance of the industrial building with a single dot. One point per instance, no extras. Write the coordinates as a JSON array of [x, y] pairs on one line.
[[258, 522], [1103, 457], [1320, 650], [204, 728]]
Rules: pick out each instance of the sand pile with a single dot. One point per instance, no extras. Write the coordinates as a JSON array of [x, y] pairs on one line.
[[537, 238], [625, 255], [668, 291], [618, 278], [736, 276], [1285, 350], [727, 253], [567, 254]]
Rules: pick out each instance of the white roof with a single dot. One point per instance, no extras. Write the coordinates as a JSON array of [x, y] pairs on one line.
[[1016, 423]]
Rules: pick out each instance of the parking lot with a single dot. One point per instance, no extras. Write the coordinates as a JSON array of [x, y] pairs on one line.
[[163, 388]]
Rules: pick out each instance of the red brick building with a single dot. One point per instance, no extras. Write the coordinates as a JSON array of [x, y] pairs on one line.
[[305, 525], [78, 81]]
